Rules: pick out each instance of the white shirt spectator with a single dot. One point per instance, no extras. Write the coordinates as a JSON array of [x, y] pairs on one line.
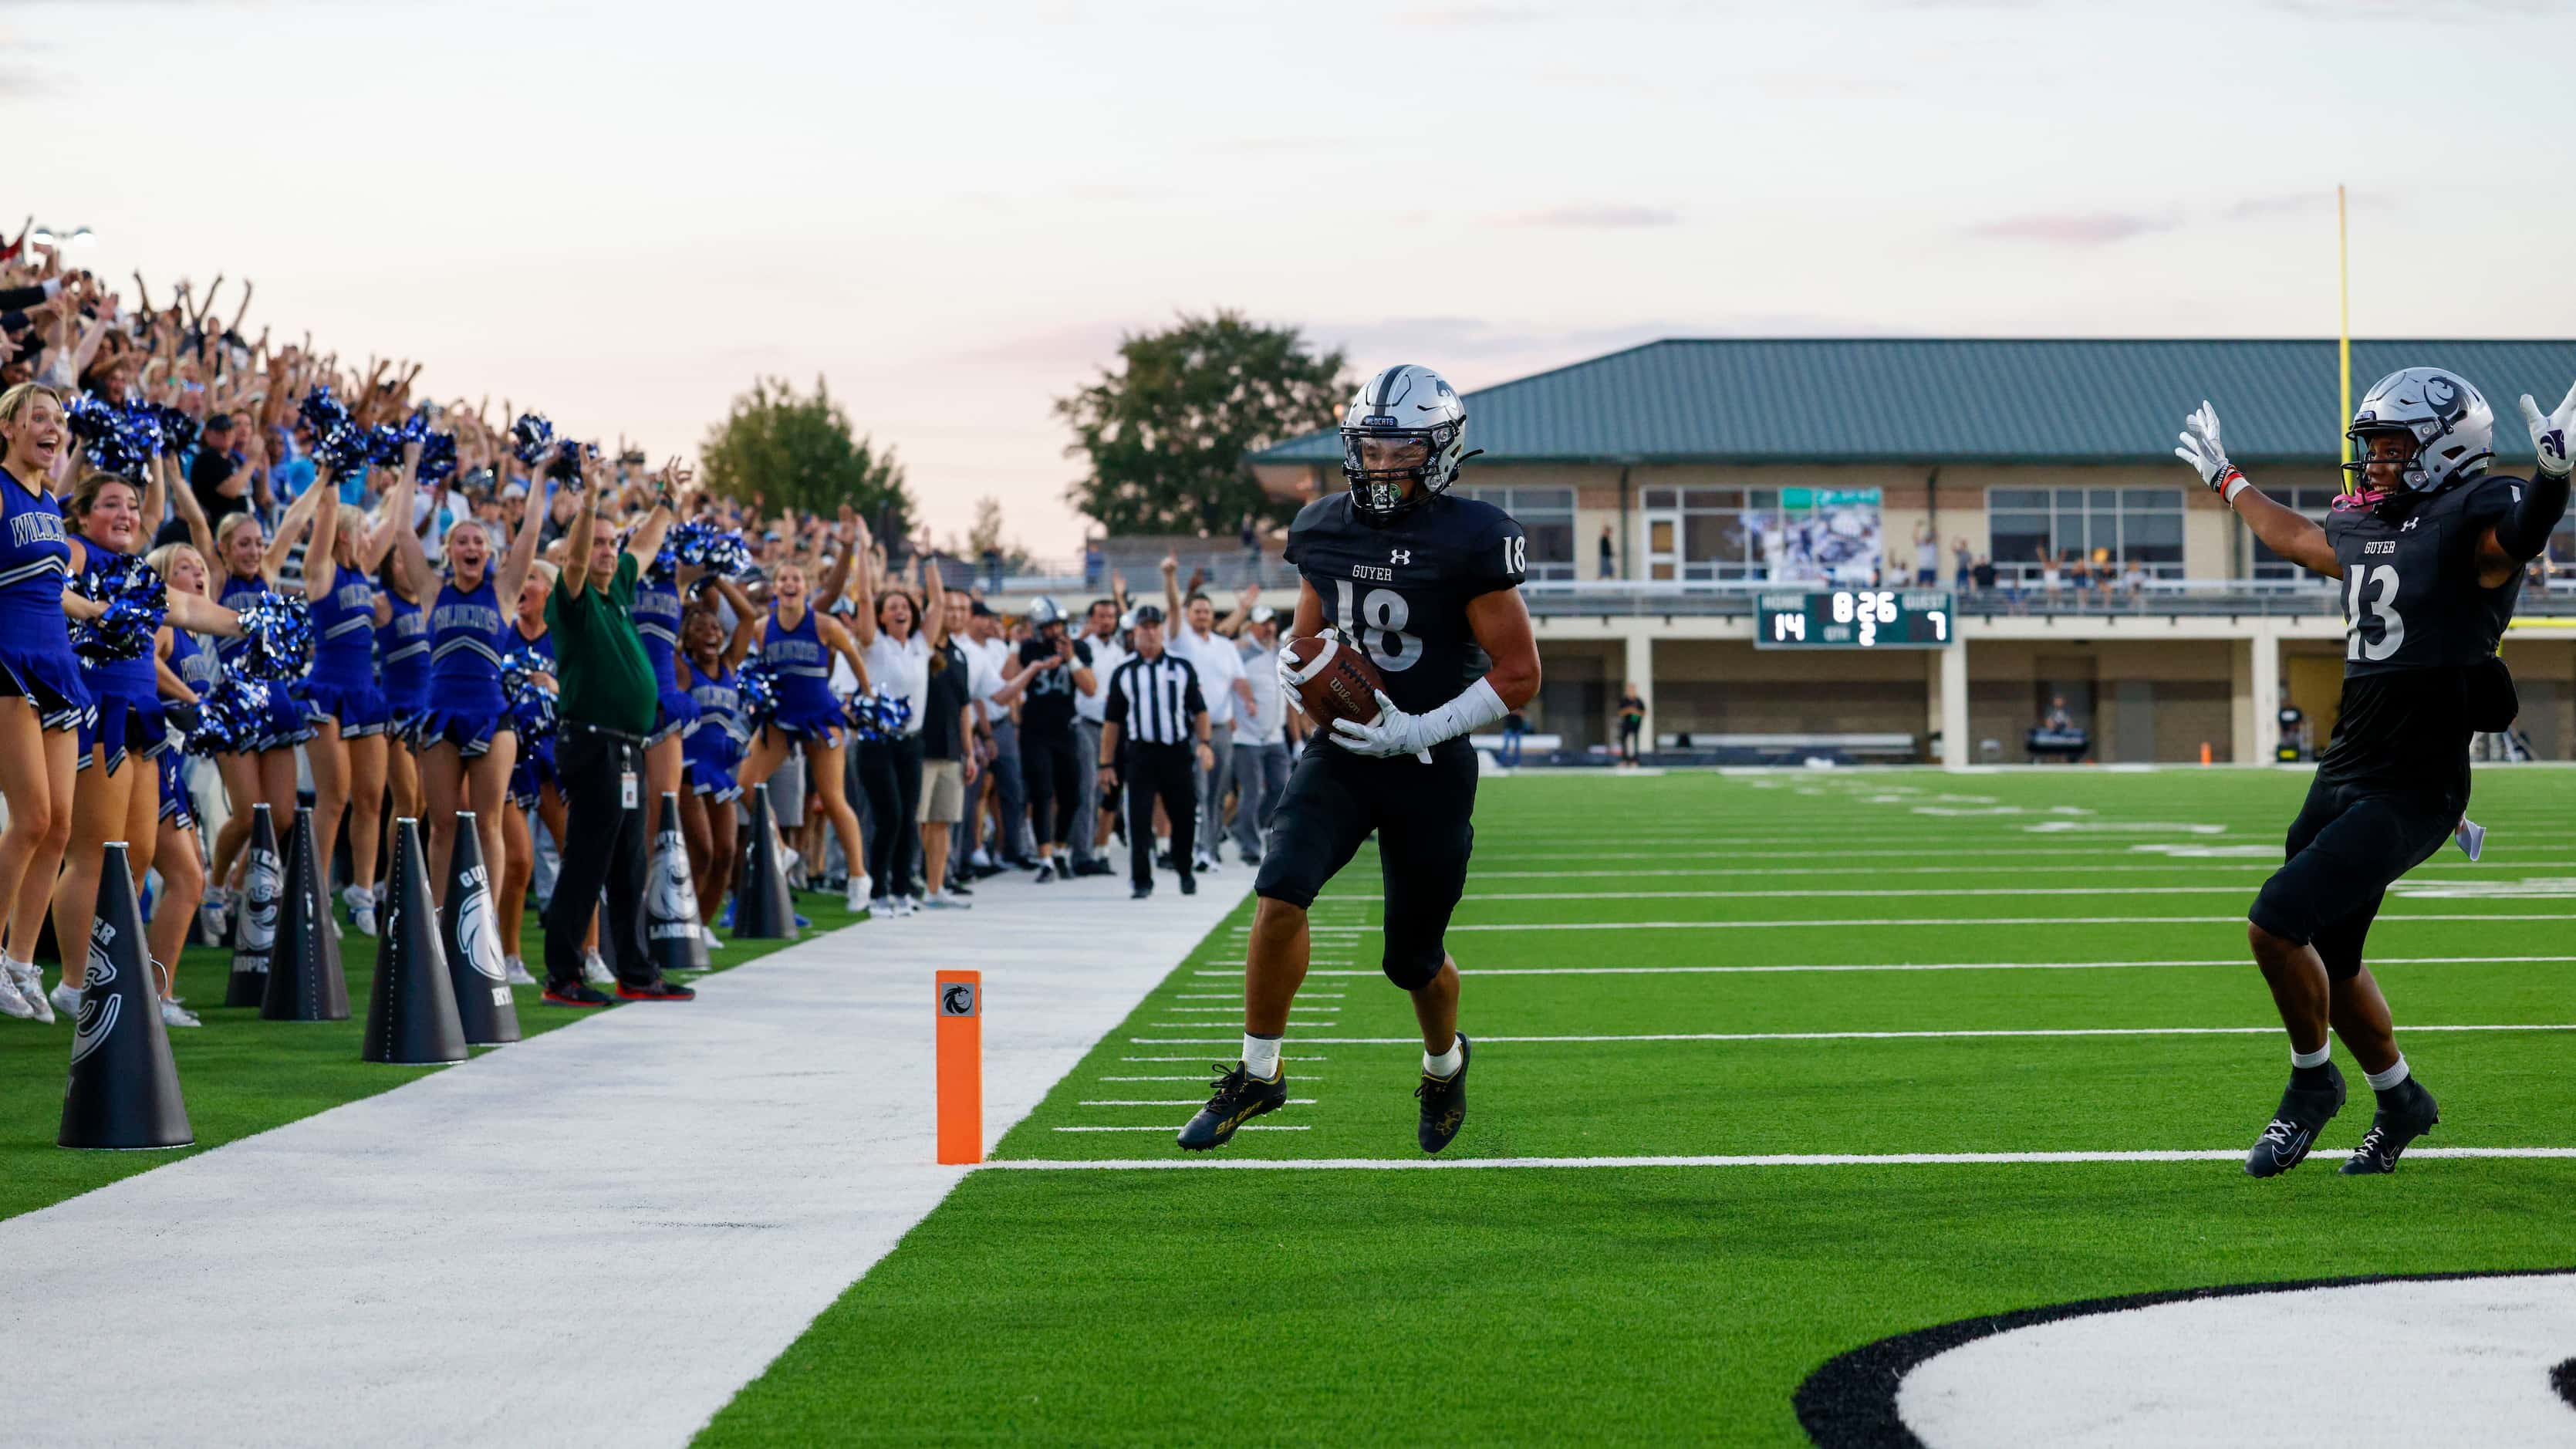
[[1106, 656], [1218, 665], [902, 668], [990, 659], [1269, 716]]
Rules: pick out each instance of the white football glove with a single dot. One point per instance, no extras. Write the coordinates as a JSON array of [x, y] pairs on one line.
[[2203, 451], [1291, 679], [2551, 433], [1393, 732]]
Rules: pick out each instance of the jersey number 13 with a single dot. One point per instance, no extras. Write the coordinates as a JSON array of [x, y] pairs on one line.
[[2382, 581]]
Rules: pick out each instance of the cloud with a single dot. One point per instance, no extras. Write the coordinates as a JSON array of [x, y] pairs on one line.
[[1445, 16], [1602, 217], [2075, 228]]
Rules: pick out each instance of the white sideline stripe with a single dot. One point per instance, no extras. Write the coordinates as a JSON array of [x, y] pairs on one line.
[[1126, 1102], [1249, 1127], [1833, 923], [1934, 966], [733, 1165], [1779, 1159], [1858, 1035]]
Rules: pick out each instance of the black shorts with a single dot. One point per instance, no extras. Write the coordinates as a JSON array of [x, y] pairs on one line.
[[2349, 844], [1422, 816]]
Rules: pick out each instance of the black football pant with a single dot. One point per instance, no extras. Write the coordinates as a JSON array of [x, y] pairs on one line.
[[1159, 772], [1051, 771], [603, 845], [890, 778]]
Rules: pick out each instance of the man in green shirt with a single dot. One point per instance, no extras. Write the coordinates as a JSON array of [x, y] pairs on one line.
[[605, 710]]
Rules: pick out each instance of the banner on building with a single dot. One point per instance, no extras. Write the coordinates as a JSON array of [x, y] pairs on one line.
[[1819, 536]]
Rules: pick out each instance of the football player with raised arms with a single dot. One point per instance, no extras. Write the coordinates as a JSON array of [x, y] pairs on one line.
[[1427, 586], [2430, 546]]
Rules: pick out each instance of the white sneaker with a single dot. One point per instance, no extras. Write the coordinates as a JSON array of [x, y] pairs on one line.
[[173, 1014], [66, 999], [30, 981], [516, 973], [901, 906], [980, 860], [596, 972], [708, 935], [11, 1002], [214, 912], [856, 897], [362, 908]]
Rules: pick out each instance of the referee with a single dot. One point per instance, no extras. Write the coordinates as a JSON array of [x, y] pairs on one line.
[[609, 697], [1156, 711]]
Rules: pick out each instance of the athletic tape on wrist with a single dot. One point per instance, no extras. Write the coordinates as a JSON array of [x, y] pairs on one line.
[[2233, 484]]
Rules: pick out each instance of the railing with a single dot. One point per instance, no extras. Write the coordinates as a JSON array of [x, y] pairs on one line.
[[2160, 598]]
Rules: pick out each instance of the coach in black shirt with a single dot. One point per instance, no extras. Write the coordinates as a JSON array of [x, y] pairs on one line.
[[1156, 712]]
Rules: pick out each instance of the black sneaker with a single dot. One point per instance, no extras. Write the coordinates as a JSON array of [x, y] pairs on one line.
[[2392, 1128], [957, 886], [1189, 884], [575, 993], [1094, 866], [1444, 1103], [1046, 871], [2294, 1126], [656, 989], [1142, 892], [1235, 1098], [1063, 866]]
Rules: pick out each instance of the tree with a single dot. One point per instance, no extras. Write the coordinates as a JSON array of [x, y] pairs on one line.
[[796, 451], [987, 534], [1167, 433]]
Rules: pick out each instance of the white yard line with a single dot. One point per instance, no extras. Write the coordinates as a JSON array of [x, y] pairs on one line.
[[1482, 1038], [1175, 1127], [1192, 1102], [2235, 961], [1773, 1159], [594, 1237]]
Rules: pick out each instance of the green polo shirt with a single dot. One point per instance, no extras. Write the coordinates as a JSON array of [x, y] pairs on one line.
[[599, 660]]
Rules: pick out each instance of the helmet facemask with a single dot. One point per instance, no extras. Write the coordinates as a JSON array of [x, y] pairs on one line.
[[1383, 464], [2448, 427]]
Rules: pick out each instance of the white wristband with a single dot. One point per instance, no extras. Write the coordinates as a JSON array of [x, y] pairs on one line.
[[1475, 707], [2236, 483]]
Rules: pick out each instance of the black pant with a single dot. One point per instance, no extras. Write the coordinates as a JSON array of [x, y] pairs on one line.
[[603, 846], [1159, 772], [1051, 766], [890, 777]]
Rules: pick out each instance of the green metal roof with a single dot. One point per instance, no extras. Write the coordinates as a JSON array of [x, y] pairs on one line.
[[1933, 400]]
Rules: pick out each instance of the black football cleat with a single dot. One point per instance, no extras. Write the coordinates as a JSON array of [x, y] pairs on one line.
[[1189, 884], [1235, 1097], [2294, 1126], [2392, 1129], [1444, 1102]]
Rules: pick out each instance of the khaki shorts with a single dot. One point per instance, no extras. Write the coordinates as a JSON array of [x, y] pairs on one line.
[[943, 791]]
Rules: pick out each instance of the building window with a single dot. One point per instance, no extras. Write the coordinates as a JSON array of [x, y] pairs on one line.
[[2101, 526], [2315, 503], [1547, 516], [1705, 535]]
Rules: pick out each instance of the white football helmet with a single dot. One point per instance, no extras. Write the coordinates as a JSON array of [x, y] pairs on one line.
[[1044, 610], [2451, 425], [1404, 404]]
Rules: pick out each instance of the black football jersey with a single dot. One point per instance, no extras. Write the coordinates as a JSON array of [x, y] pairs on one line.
[[2414, 620], [1400, 591]]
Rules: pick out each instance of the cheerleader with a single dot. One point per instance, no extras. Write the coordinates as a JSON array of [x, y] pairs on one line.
[[116, 794], [185, 670], [466, 744], [713, 744], [344, 706], [796, 643], [657, 624], [249, 562], [43, 702], [533, 787], [402, 654]]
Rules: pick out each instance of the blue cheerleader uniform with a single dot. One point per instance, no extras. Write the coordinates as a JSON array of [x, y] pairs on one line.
[[467, 633], [343, 684], [657, 624], [286, 724], [198, 667], [36, 659], [402, 661], [126, 694], [535, 768], [712, 748], [806, 708]]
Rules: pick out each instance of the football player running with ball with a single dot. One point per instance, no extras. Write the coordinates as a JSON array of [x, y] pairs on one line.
[[1427, 586], [2431, 548]]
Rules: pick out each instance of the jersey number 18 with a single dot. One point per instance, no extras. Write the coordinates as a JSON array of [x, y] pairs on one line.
[[1379, 626]]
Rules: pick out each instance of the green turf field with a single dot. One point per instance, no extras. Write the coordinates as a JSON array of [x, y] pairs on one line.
[[240, 1074], [1649, 972]]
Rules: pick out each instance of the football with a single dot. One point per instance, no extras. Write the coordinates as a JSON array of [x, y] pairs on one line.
[[1334, 681]]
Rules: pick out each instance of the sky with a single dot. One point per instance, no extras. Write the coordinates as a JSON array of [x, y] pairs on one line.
[[621, 214]]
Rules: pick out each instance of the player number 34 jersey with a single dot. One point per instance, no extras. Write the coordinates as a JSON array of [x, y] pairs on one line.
[[1400, 591]]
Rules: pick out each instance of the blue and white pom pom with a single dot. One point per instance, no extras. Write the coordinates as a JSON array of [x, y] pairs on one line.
[[107, 435], [879, 715], [437, 458], [344, 449], [178, 430], [232, 716], [136, 600], [278, 632], [532, 702], [530, 435], [756, 692]]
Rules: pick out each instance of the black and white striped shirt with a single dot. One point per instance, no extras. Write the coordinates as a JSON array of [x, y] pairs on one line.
[[1155, 701]]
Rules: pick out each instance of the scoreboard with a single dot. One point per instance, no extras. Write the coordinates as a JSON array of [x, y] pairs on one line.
[[1855, 619]]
